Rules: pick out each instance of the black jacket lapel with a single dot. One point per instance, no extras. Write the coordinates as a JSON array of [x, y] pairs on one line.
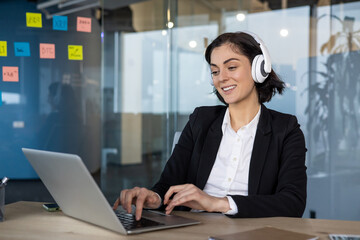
[[260, 149], [209, 151]]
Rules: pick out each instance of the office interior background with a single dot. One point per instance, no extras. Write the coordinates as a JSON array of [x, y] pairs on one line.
[[142, 72]]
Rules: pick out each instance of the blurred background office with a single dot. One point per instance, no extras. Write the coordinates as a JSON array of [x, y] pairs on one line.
[[142, 72]]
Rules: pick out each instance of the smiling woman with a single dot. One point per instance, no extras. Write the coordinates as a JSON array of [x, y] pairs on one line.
[[242, 159]]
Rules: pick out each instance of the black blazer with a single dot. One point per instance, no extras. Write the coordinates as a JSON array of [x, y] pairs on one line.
[[277, 175]]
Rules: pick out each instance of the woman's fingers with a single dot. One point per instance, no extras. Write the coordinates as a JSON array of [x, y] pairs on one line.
[[139, 197], [142, 195], [175, 189], [116, 204], [190, 196], [120, 200], [184, 195]]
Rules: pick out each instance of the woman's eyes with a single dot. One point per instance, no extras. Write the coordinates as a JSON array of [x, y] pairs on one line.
[[216, 72], [232, 68]]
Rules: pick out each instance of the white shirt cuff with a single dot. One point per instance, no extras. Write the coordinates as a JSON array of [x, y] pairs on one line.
[[233, 207], [161, 202]]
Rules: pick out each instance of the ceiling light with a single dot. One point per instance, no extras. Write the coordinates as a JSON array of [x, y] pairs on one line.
[[170, 24], [240, 17], [193, 44], [284, 32]]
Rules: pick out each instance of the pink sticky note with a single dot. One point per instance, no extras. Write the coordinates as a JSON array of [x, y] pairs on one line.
[[10, 74], [47, 50], [83, 24]]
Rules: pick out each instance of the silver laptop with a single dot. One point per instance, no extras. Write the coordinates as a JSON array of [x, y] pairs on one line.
[[75, 191]]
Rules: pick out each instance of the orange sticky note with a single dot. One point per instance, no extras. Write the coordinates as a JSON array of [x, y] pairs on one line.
[[83, 24], [10, 74], [47, 50]]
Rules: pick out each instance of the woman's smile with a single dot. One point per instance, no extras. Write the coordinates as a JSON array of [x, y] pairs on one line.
[[228, 89]]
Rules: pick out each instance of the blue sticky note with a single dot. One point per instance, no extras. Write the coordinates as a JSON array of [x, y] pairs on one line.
[[60, 23], [0, 98], [22, 49]]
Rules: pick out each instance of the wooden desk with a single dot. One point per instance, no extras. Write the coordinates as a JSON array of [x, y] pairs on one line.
[[28, 220]]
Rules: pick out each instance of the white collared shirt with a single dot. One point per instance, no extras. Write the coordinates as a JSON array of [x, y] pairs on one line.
[[230, 173]]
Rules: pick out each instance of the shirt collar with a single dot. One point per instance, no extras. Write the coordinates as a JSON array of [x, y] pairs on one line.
[[250, 127]]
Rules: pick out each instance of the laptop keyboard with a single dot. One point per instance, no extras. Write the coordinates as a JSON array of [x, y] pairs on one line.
[[129, 222]]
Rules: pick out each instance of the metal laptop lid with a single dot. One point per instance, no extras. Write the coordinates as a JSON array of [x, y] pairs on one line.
[[73, 188], [75, 191]]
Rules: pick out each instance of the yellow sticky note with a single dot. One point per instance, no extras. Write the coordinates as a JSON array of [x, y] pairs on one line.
[[75, 52], [3, 48], [33, 20]]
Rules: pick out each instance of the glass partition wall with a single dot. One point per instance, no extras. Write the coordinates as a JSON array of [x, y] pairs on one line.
[[154, 75]]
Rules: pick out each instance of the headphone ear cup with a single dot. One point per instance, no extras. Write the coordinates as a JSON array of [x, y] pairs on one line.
[[257, 69]]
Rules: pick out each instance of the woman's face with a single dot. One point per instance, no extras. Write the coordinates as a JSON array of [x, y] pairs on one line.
[[231, 74]]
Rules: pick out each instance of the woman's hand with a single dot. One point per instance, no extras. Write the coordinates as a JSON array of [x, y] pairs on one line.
[[191, 196], [140, 197]]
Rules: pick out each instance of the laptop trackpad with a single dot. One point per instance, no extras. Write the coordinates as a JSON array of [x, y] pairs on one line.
[[163, 218]]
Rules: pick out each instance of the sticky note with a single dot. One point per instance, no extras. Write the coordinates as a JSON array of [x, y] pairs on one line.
[[0, 98], [10, 74], [33, 20], [22, 49], [3, 48], [18, 124], [83, 24], [75, 52], [60, 23], [47, 50]]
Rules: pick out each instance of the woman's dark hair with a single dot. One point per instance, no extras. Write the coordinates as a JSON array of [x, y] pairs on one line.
[[245, 44]]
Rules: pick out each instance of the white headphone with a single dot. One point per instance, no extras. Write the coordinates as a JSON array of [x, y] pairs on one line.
[[261, 65]]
